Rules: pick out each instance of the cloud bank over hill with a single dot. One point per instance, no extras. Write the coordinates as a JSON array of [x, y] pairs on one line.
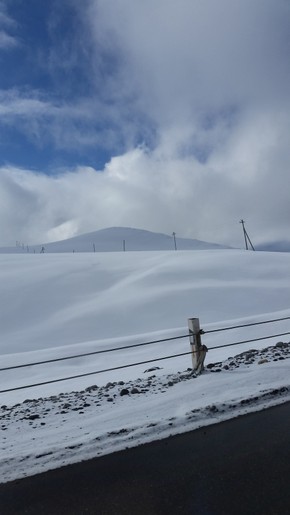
[[191, 104]]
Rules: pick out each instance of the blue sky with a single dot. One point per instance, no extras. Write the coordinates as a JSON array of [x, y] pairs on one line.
[[124, 113], [43, 61]]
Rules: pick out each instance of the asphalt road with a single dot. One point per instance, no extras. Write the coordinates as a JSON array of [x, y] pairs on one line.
[[239, 467]]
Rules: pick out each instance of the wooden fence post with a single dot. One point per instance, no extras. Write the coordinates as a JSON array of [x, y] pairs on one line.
[[198, 350]]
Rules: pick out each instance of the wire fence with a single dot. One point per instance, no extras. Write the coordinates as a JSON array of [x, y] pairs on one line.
[[246, 325], [104, 351], [129, 365]]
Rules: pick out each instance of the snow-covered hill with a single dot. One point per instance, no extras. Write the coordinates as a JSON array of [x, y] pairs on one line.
[[115, 239], [58, 305]]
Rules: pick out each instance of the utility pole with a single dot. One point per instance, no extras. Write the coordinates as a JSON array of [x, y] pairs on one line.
[[174, 238], [124, 245], [246, 236], [244, 231]]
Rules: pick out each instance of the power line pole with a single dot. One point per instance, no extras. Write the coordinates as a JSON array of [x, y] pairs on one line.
[[246, 236], [174, 238], [244, 231]]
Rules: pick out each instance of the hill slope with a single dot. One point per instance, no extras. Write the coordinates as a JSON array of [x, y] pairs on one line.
[[116, 239]]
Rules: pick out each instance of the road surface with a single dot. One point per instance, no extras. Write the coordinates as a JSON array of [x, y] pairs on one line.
[[238, 467]]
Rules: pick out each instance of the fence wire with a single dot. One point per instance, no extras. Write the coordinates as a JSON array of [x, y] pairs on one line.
[[113, 349], [245, 325], [140, 362], [95, 372]]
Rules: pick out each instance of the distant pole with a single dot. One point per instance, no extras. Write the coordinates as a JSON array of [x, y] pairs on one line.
[[244, 231], [94, 247], [174, 239], [124, 245], [246, 236]]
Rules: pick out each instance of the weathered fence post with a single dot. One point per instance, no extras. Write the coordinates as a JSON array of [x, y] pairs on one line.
[[198, 350]]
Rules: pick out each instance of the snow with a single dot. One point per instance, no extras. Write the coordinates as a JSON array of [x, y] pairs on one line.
[[61, 304]]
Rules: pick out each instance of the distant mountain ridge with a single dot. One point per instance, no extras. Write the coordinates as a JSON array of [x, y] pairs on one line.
[[275, 246], [117, 239]]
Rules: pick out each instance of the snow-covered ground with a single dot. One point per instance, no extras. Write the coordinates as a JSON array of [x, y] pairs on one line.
[[56, 305]]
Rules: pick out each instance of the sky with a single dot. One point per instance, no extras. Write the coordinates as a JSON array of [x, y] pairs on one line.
[[157, 115]]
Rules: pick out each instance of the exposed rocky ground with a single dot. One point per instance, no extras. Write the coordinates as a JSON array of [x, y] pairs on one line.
[[277, 352], [33, 410]]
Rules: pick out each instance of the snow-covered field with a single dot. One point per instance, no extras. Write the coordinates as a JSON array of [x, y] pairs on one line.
[[57, 305]]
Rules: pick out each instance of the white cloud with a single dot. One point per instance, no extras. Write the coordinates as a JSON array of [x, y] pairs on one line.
[[44, 120], [7, 41], [246, 177], [158, 69], [7, 23], [179, 59]]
